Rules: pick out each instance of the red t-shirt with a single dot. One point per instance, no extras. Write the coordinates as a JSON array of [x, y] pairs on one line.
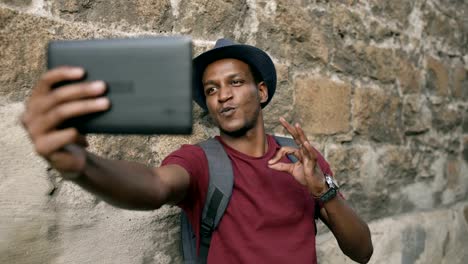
[[270, 217]]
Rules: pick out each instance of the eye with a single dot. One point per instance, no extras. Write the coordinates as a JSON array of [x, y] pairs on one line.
[[237, 82], [210, 90]]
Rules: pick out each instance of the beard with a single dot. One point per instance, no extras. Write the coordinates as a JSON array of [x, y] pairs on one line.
[[240, 132]]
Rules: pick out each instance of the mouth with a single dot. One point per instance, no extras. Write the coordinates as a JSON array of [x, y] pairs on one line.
[[227, 111]]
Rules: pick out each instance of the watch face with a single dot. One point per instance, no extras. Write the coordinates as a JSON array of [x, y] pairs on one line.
[[331, 182]]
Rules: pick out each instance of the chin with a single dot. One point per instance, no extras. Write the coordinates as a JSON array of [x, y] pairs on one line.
[[235, 130], [235, 133]]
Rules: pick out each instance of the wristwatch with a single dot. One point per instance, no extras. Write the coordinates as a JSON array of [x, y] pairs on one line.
[[332, 189]]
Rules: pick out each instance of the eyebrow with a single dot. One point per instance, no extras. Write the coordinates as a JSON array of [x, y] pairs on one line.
[[230, 76]]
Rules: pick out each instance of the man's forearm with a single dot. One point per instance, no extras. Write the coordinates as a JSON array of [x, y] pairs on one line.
[[124, 184], [351, 232]]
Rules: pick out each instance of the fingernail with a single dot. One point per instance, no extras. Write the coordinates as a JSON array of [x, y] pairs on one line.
[[102, 102], [270, 161], [77, 71], [98, 86]]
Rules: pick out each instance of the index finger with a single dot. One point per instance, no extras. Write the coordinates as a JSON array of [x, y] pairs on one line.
[[63, 73], [292, 130]]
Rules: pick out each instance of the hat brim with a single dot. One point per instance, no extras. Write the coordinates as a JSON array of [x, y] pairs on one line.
[[253, 56]]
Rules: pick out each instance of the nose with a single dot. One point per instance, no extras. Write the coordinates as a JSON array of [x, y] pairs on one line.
[[225, 93]]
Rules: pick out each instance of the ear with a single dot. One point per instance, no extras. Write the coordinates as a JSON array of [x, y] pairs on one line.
[[262, 91]]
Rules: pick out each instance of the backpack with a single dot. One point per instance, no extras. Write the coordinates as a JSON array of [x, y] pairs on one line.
[[221, 181]]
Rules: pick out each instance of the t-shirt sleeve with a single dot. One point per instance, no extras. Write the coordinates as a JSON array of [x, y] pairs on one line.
[[193, 160]]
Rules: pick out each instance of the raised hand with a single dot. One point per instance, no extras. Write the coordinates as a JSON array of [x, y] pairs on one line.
[[47, 108], [305, 170]]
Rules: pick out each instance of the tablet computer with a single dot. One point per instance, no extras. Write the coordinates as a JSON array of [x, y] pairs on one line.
[[149, 82]]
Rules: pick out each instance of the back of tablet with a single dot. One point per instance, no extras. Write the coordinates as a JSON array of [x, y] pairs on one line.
[[148, 80]]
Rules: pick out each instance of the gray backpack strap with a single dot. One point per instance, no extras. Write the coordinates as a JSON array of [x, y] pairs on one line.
[[289, 142], [189, 240], [221, 181]]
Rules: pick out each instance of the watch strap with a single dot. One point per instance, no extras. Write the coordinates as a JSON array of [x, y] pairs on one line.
[[328, 195]]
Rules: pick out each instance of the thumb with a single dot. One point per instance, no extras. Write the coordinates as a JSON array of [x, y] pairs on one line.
[[281, 153], [281, 166]]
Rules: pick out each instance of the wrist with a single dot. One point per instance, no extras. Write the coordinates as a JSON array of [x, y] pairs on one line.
[[70, 175], [331, 190], [78, 167]]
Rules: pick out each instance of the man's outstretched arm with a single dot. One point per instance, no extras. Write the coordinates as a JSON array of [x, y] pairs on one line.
[[131, 185], [125, 184]]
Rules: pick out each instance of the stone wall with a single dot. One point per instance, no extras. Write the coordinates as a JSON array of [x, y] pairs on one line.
[[381, 87]]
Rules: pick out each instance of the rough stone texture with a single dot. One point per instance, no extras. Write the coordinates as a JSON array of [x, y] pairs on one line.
[[377, 114], [427, 237], [152, 15], [437, 79], [322, 105], [360, 59], [416, 115], [446, 117], [17, 33], [465, 148], [282, 103], [289, 25], [380, 86], [212, 18], [398, 11], [43, 217], [440, 18], [460, 82], [17, 3], [409, 77], [25, 221], [465, 121]]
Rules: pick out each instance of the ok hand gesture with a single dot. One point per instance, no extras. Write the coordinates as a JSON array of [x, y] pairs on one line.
[[306, 170]]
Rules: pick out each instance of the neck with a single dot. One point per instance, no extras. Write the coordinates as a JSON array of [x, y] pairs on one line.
[[252, 143]]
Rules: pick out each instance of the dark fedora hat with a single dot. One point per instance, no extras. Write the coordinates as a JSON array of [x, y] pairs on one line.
[[224, 49]]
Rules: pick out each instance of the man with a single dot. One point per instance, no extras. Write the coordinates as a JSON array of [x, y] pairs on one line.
[[270, 217]]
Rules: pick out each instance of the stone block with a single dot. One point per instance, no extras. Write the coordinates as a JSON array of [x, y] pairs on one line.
[[446, 118], [409, 76], [362, 60], [17, 3], [456, 173], [17, 33], [354, 168], [286, 33], [149, 15], [214, 18], [398, 11], [416, 115], [282, 103], [322, 106], [460, 82], [345, 24], [377, 114], [437, 77], [446, 29], [465, 148]]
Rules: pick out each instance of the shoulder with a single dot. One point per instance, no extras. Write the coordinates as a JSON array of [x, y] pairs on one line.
[[188, 156], [192, 158]]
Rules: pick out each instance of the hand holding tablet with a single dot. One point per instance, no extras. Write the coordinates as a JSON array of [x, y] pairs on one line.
[[147, 80]]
